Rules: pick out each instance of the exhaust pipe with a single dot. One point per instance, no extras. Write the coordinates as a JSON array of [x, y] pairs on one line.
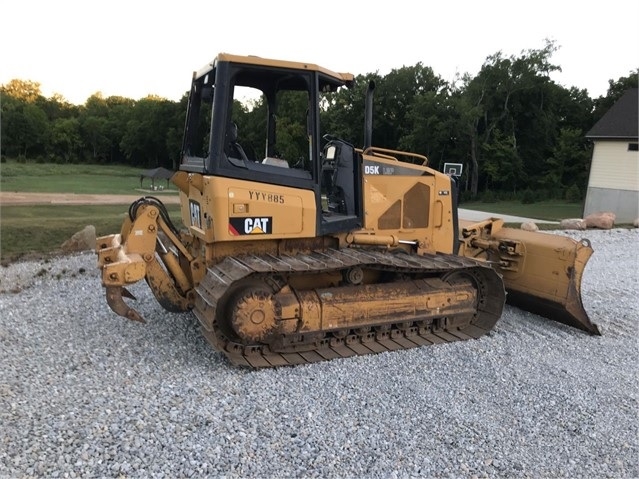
[[368, 115]]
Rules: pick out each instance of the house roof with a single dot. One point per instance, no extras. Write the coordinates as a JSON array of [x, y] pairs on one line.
[[620, 121]]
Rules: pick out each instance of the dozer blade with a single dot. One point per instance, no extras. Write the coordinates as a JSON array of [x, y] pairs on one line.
[[116, 303], [542, 273]]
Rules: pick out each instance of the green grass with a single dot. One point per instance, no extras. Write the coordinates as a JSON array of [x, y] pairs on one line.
[[70, 178], [552, 210], [41, 229]]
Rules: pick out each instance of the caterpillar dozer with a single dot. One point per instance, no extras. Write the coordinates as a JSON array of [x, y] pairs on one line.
[[316, 249]]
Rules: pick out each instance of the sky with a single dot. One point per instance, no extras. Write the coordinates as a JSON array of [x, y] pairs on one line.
[[135, 48]]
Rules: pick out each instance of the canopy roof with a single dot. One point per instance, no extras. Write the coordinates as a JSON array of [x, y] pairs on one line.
[[157, 173]]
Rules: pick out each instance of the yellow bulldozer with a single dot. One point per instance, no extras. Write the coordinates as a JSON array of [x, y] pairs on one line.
[[340, 251]]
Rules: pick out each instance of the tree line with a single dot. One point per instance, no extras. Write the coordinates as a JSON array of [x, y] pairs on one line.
[[515, 130]]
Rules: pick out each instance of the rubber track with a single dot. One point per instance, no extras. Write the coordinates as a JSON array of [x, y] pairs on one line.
[[232, 269]]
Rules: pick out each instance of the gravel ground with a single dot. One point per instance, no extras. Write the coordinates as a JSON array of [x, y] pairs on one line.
[[84, 393]]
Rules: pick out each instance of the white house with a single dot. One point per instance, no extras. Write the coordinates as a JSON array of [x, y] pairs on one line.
[[613, 184]]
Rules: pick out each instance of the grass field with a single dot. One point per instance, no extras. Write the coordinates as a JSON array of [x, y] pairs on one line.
[[42, 229], [37, 229], [67, 178]]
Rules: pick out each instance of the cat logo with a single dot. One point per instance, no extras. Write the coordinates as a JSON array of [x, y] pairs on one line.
[[251, 226]]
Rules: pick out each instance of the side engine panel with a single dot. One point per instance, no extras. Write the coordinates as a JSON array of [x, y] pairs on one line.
[[411, 201], [224, 209]]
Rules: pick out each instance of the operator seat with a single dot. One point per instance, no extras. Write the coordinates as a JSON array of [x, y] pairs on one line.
[[233, 149], [342, 197]]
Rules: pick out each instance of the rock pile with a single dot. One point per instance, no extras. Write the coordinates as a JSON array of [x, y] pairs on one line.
[[603, 220]]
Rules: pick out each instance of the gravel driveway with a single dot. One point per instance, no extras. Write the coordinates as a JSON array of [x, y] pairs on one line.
[[84, 393]]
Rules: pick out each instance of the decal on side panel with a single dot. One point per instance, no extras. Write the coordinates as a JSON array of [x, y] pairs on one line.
[[194, 209], [378, 168], [262, 225]]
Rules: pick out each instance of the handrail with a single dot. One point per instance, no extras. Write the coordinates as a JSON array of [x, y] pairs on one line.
[[377, 151]]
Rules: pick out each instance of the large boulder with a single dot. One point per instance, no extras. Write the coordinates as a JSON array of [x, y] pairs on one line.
[[572, 224], [603, 220], [529, 226], [81, 241]]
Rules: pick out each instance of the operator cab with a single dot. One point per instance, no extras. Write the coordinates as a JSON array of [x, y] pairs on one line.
[[258, 120]]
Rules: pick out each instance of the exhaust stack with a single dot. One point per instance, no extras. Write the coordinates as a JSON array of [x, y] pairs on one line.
[[368, 115]]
